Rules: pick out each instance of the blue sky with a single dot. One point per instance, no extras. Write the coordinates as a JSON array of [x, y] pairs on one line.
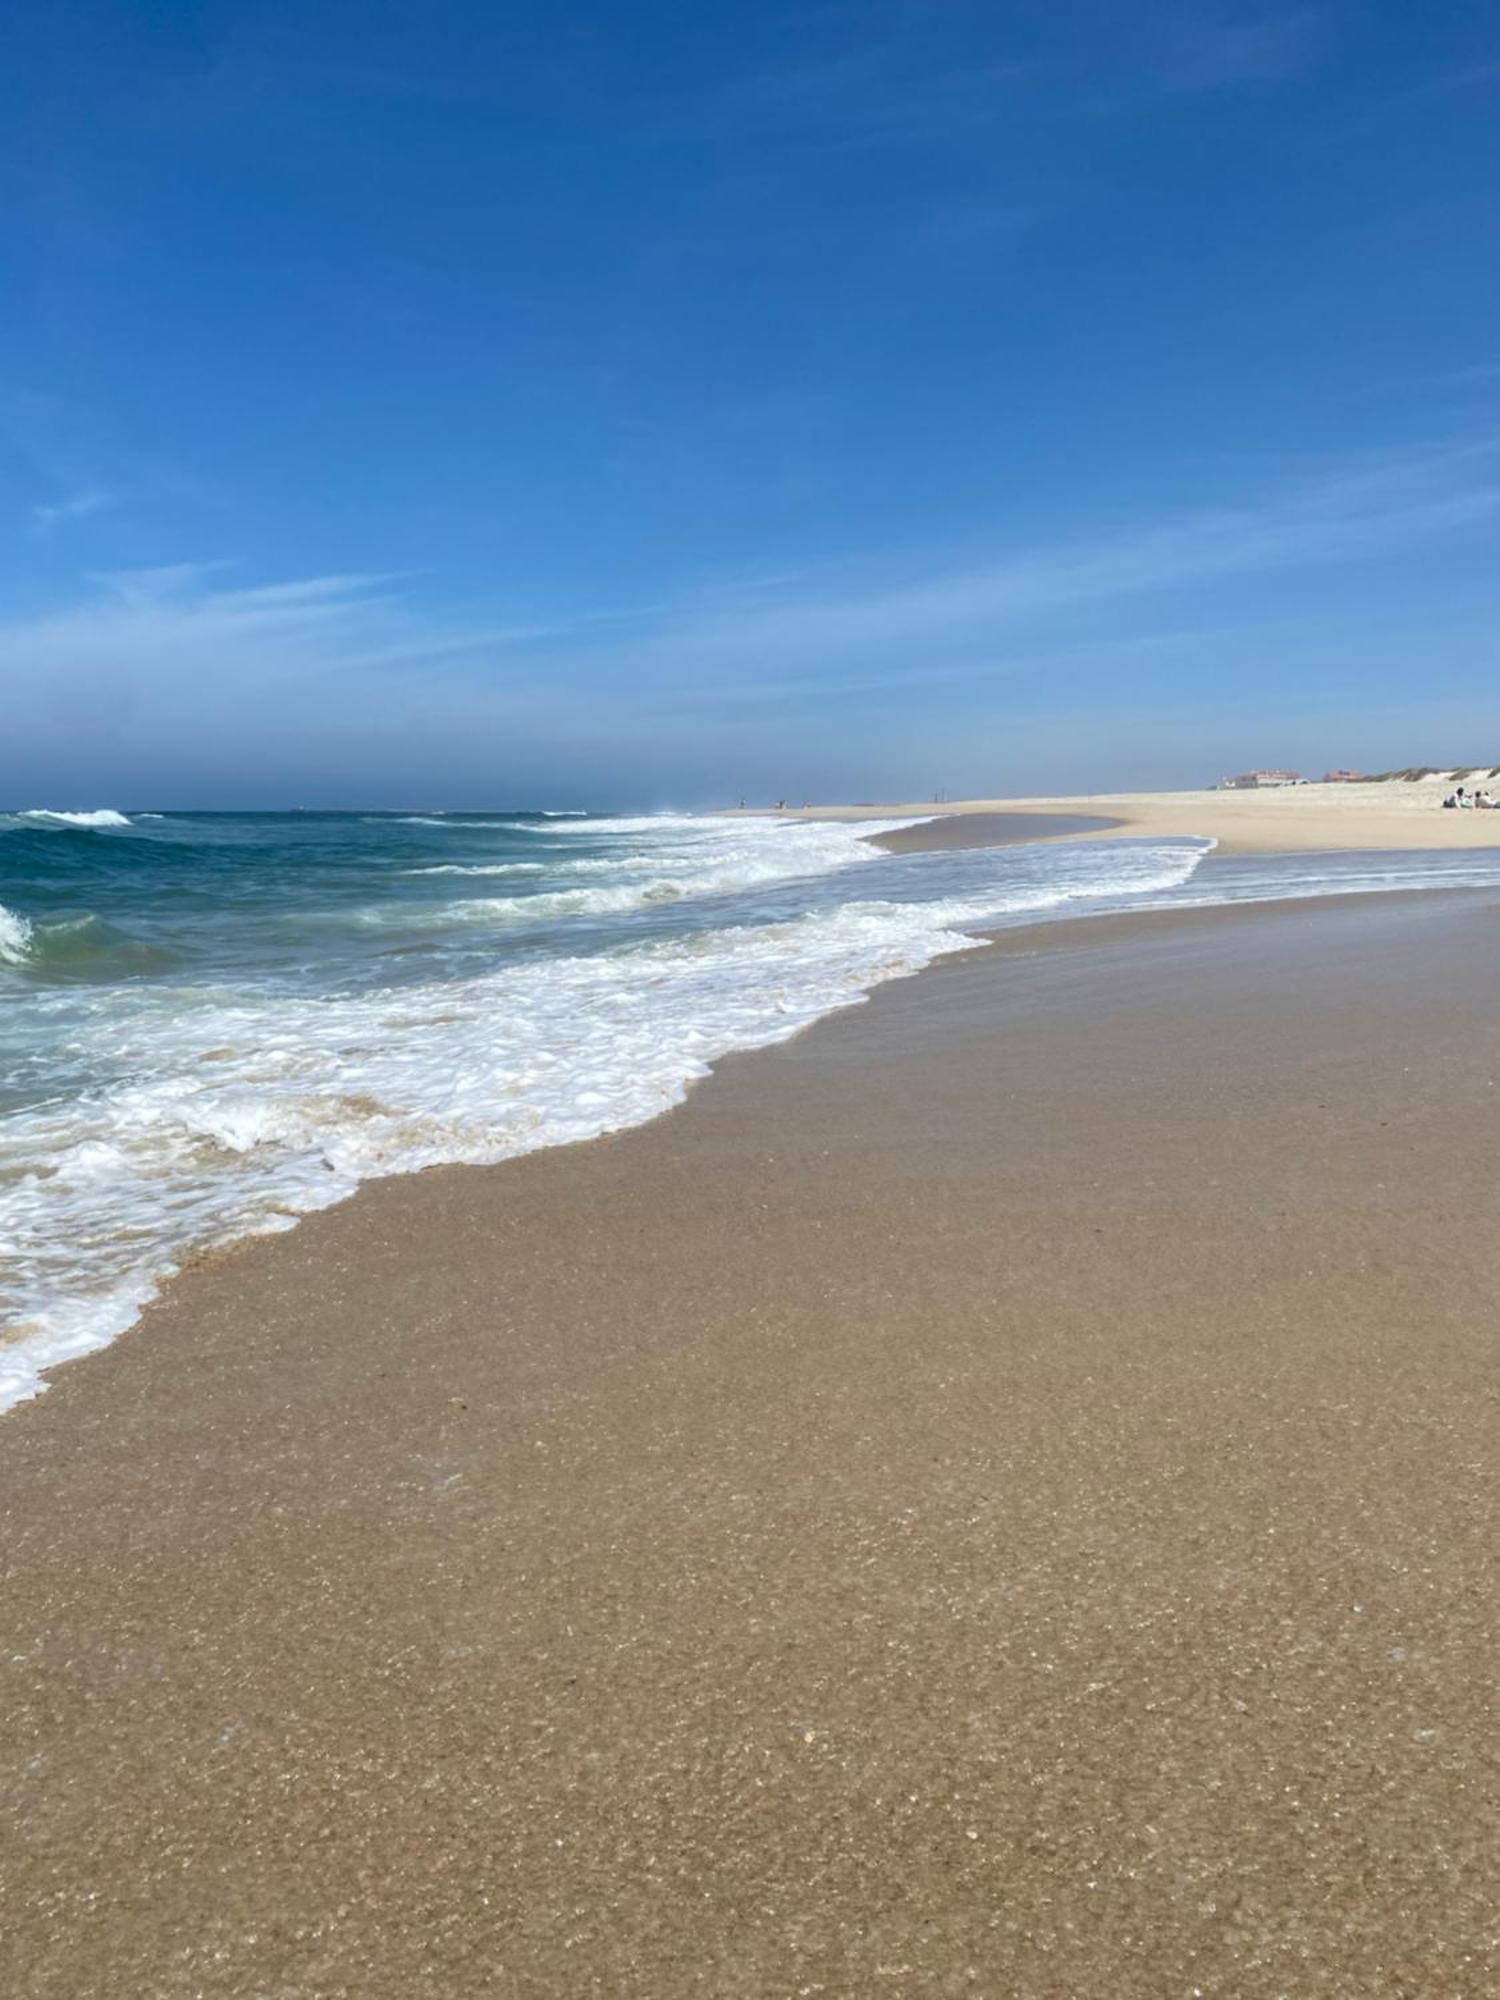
[[644, 404]]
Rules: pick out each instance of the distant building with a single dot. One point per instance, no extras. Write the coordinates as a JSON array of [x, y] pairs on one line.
[[1345, 778], [1254, 781]]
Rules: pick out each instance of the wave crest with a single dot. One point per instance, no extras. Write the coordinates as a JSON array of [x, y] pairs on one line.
[[103, 816], [15, 938], [75, 948], [480, 868]]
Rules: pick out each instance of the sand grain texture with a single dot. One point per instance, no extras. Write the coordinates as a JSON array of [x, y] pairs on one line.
[[997, 1497]]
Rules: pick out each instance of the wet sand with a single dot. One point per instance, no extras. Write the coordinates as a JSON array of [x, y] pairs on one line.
[[982, 829], [999, 1496]]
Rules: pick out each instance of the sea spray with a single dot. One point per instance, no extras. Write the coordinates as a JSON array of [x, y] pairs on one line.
[[104, 816]]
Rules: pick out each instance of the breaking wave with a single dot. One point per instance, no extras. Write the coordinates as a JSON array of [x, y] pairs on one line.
[[209, 1111], [480, 868], [71, 948], [104, 816], [15, 938]]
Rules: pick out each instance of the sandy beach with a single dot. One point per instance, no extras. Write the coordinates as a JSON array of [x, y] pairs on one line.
[[1285, 820], [997, 1496], [629, 1368]]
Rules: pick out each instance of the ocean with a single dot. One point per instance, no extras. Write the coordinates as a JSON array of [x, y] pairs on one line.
[[214, 1023]]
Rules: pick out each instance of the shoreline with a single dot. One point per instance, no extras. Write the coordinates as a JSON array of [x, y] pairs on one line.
[[991, 1490], [1305, 819], [963, 827], [979, 830]]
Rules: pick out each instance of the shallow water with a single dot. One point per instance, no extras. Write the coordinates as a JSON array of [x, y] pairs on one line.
[[211, 1024]]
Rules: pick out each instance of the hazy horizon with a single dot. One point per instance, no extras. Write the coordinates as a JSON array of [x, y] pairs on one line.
[[626, 803]]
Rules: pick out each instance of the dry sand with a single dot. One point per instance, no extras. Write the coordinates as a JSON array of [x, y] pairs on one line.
[[1000, 1496], [1294, 819]]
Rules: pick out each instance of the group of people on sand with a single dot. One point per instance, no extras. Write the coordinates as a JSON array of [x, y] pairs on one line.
[[1471, 801]]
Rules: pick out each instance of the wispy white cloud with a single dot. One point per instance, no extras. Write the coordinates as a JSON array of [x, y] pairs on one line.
[[71, 452], [189, 655], [158, 636], [152, 585], [1350, 516], [89, 500], [177, 649]]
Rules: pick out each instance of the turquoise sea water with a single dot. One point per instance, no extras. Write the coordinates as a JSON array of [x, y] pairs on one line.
[[211, 1024]]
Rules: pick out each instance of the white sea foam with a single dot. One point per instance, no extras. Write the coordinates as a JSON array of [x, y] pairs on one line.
[[654, 825], [661, 880], [555, 904], [447, 825], [239, 1110], [15, 937], [480, 868], [686, 859], [104, 816]]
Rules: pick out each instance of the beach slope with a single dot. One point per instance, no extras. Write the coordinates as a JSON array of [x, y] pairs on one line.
[[1293, 819], [998, 1496]]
